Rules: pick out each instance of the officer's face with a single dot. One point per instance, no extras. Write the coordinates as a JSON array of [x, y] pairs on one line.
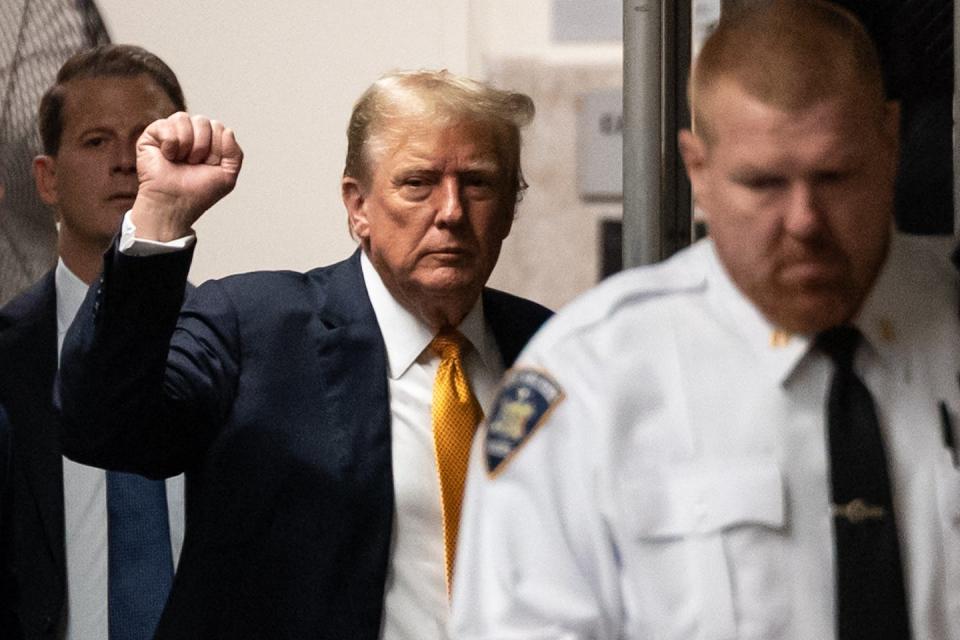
[[438, 206], [799, 204]]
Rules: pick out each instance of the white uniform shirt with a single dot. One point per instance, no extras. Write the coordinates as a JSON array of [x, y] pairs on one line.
[[680, 489], [85, 507]]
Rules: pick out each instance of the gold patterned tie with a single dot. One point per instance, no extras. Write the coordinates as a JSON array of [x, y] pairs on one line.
[[456, 414]]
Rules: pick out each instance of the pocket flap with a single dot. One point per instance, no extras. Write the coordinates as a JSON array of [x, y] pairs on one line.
[[685, 499], [948, 492]]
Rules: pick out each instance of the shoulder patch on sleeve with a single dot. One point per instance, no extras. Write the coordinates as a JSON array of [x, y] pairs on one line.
[[524, 402]]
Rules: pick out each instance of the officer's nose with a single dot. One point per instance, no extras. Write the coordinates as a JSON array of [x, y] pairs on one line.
[[803, 217]]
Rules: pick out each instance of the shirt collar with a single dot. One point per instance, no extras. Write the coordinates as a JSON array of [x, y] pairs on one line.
[[778, 351], [879, 320], [406, 336], [70, 293], [884, 316]]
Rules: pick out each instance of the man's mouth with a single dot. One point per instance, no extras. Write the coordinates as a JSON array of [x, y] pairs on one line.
[[125, 197], [810, 271]]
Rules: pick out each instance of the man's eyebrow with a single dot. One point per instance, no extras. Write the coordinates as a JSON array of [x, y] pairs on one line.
[[416, 169], [754, 173], [488, 165], [94, 129]]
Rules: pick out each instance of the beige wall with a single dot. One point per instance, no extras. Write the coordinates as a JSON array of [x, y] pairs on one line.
[[285, 75], [553, 252]]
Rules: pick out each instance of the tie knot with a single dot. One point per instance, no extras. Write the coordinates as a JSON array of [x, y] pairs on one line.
[[449, 344], [840, 343]]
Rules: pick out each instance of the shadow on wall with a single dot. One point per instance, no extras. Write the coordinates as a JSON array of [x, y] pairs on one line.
[[36, 37]]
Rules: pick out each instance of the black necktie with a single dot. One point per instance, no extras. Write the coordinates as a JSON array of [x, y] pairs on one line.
[[871, 602]]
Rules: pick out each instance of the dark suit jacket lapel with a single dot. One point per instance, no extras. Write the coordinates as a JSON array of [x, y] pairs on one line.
[[28, 336], [513, 322], [356, 405], [352, 356]]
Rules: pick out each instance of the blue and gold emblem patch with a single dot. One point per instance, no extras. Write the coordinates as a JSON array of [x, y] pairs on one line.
[[525, 400]]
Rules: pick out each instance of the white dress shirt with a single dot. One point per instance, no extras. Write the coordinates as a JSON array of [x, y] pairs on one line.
[[415, 606], [85, 507], [679, 487]]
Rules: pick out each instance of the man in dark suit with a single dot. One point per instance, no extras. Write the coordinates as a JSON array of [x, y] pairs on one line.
[[327, 415], [89, 122], [9, 625]]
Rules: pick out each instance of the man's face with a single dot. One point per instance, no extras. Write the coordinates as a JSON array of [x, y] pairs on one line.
[[92, 180], [799, 204], [439, 204]]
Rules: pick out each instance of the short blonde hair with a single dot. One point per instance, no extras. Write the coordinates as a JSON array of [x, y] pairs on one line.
[[440, 97], [787, 53]]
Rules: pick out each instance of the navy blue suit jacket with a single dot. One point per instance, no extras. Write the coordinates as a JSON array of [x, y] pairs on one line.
[[37, 557], [274, 392], [9, 622], [28, 347]]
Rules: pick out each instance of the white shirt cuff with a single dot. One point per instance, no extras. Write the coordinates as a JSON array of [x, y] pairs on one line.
[[131, 245]]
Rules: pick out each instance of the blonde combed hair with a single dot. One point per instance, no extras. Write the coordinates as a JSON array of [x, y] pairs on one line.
[[438, 98]]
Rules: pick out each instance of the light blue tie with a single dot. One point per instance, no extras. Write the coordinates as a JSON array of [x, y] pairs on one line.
[[140, 557]]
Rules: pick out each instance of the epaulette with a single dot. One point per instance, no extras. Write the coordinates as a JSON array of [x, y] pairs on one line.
[[685, 272]]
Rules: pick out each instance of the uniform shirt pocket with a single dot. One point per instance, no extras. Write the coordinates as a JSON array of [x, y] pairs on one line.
[[698, 499], [948, 503], [948, 494], [678, 574]]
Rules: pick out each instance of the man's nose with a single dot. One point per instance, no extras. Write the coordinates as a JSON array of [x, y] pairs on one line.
[[125, 158], [450, 208], [803, 217]]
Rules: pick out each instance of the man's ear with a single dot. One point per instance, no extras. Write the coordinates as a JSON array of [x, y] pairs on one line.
[[693, 150], [355, 199], [45, 177]]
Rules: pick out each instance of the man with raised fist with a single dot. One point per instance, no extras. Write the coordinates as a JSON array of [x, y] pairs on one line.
[[327, 415]]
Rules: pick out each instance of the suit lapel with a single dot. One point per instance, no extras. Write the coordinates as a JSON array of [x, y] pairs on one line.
[[353, 366], [509, 339]]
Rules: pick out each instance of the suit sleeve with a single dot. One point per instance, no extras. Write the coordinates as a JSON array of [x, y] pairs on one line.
[[144, 384]]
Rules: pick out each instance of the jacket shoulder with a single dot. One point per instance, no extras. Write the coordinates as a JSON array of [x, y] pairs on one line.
[[647, 287], [37, 300], [263, 287], [515, 305]]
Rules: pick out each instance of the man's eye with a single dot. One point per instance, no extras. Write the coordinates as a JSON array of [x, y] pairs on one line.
[[415, 188], [480, 184], [93, 142], [763, 183], [832, 177]]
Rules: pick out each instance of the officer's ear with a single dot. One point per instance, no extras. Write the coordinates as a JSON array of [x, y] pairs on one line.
[[693, 150]]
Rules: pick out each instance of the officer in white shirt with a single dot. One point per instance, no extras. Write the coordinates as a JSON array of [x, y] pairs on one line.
[[662, 461]]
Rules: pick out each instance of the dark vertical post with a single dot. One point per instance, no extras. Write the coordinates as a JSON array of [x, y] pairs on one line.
[[656, 196]]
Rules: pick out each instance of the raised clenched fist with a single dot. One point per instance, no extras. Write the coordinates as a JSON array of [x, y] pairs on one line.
[[185, 164]]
